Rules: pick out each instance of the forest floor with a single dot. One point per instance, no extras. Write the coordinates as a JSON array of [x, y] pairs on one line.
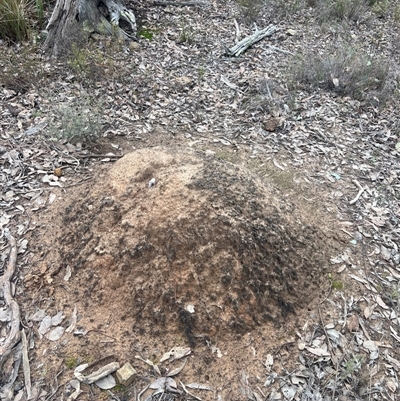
[[267, 252]]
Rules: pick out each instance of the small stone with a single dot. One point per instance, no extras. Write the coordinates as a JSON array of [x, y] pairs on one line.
[[291, 32], [126, 374]]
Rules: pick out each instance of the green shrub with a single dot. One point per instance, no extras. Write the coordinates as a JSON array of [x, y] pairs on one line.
[[346, 71], [78, 121]]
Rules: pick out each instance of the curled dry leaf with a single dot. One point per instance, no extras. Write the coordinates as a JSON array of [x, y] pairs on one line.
[[352, 323]]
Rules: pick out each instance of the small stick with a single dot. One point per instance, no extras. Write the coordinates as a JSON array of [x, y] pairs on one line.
[[359, 192], [25, 363], [237, 31], [142, 392], [188, 392], [277, 49]]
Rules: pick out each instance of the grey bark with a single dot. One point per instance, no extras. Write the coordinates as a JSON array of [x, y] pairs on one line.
[[100, 16]]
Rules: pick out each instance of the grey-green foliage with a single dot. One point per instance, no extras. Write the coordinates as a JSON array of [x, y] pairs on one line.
[[79, 121], [344, 70]]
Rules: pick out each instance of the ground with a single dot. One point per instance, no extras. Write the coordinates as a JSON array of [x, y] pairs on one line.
[[255, 248]]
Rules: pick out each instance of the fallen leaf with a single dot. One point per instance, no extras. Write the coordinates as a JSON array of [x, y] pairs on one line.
[[198, 386], [352, 323], [381, 303], [56, 334], [57, 319], [45, 325], [318, 351], [175, 353], [174, 372], [106, 383]]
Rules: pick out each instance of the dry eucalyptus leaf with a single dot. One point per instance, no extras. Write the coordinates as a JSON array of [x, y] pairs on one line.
[[57, 319], [45, 325], [199, 386], [56, 334]]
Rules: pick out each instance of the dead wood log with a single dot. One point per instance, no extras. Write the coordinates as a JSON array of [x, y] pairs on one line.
[[14, 334], [163, 3], [249, 41]]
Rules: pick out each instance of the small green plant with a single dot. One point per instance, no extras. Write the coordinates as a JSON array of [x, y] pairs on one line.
[[187, 35], [145, 33], [201, 73], [337, 285], [89, 63], [78, 60], [71, 362], [352, 365]]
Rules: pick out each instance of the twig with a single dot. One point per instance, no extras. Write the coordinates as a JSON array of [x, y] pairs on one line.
[[188, 392], [25, 363], [142, 392], [237, 31], [359, 192], [5, 282], [278, 49], [344, 311], [55, 391], [269, 92]]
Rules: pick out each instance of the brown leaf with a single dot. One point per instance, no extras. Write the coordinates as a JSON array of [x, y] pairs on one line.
[[352, 323]]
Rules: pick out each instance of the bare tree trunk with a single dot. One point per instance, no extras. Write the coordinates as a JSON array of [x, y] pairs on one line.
[[100, 16]]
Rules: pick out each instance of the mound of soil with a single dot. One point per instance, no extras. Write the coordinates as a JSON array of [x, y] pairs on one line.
[[208, 250]]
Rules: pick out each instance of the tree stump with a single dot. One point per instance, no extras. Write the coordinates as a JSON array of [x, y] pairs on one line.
[[92, 16]]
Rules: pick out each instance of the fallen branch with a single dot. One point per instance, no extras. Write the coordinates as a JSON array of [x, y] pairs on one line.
[[359, 192], [179, 3], [5, 285], [249, 41]]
